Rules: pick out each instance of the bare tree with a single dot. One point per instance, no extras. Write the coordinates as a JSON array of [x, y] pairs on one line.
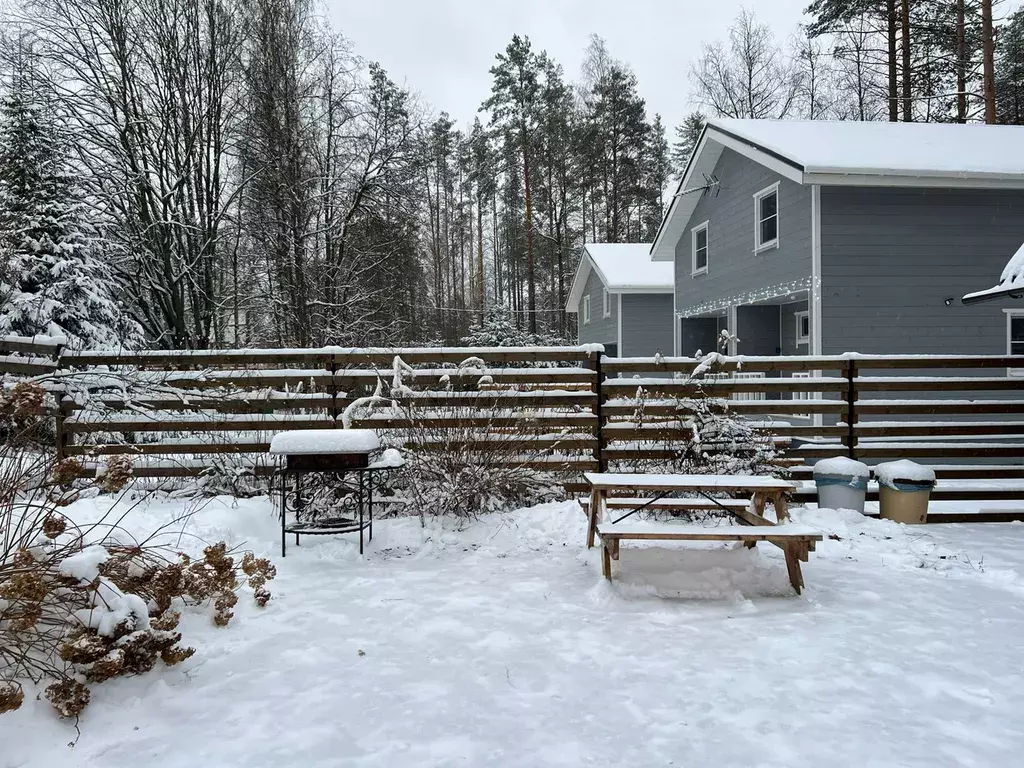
[[750, 76]]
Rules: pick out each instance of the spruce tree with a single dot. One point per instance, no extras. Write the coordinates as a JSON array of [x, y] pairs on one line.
[[687, 135], [51, 284]]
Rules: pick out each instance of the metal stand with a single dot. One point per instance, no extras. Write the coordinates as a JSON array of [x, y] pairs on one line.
[[363, 520]]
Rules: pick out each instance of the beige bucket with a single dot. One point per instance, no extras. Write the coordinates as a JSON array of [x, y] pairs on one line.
[[904, 506]]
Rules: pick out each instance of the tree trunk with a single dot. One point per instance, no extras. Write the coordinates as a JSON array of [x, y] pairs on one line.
[[480, 255], [531, 286], [988, 48], [961, 64], [908, 101], [893, 88]]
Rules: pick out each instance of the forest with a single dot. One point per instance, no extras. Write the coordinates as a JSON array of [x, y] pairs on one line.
[[195, 174]]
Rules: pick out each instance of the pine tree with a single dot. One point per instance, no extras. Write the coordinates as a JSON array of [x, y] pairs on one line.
[[52, 282], [687, 135], [1010, 71]]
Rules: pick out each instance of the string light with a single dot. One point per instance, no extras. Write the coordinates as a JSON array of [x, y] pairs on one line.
[[752, 297]]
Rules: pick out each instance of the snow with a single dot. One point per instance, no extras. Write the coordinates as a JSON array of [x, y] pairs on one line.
[[497, 642], [890, 472], [84, 565], [1011, 280], [391, 458], [325, 441], [683, 482], [629, 266], [841, 465], [882, 149], [662, 529]]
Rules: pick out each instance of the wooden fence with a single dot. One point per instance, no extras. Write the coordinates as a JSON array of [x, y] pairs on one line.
[[568, 409]]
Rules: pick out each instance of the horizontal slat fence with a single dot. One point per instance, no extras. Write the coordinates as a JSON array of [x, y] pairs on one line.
[[569, 409]]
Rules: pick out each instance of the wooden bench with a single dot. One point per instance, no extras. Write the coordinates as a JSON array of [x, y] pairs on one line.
[[796, 541], [763, 490]]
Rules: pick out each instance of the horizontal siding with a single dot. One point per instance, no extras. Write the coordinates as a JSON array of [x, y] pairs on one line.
[[733, 267], [646, 324], [891, 257], [600, 329], [789, 345]]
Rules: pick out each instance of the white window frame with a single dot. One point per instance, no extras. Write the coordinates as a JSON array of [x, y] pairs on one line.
[[694, 271], [801, 338], [606, 297], [747, 376], [758, 197], [585, 310], [801, 395], [1010, 315]]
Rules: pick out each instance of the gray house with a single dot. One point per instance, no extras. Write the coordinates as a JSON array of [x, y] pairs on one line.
[[623, 300], [827, 237]]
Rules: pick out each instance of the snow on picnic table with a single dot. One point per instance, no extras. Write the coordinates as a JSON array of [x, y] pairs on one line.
[[501, 645]]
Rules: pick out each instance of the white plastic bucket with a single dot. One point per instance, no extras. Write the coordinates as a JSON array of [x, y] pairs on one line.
[[841, 491]]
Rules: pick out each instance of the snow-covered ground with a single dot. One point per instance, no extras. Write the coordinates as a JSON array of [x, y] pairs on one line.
[[501, 645]]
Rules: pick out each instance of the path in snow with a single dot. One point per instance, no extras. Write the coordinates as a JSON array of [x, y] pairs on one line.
[[502, 646]]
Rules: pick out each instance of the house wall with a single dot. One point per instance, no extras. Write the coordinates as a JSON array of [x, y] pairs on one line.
[[758, 330], [646, 324], [788, 319], [698, 333], [733, 267], [600, 329], [890, 258]]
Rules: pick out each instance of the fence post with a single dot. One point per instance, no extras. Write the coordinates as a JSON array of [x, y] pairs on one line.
[[598, 412], [851, 408], [58, 419], [334, 391]]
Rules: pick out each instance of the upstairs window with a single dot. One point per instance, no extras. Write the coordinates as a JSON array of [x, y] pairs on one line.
[[607, 303], [699, 249], [766, 218], [586, 310]]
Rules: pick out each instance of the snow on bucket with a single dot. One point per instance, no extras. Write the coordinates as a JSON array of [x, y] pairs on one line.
[[904, 489], [842, 483]]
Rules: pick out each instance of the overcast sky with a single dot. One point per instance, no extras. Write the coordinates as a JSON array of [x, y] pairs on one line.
[[443, 49]]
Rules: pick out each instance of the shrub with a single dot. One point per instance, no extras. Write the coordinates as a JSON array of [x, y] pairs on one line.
[[79, 606]]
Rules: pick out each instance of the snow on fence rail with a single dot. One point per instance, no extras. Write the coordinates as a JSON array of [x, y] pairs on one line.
[[571, 408]]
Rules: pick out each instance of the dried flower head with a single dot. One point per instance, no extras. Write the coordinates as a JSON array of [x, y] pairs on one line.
[[68, 697], [66, 471], [54, 525], [27, 586], [26, 399], [224, 603], [11, 696], [119, 472], [172, 656]]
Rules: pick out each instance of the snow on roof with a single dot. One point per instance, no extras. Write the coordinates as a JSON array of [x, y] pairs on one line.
[[1010, 282], [884, 148], [850, 153], [623, 268]]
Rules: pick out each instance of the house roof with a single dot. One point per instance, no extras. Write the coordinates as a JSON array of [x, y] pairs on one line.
[[852, 153], [1011, 282], [622, 268]]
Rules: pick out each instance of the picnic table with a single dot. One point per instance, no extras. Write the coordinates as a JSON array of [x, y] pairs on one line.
[[796, 541]]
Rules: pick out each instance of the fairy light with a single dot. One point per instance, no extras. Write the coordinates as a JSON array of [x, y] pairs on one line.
[[751, 297]]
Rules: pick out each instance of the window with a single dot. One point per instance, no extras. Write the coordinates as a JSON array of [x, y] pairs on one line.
[[1015, 336], [586, 309], [607, 303], [699, 249], [747, 376], [766, 218], [801, 395], [803, 328]]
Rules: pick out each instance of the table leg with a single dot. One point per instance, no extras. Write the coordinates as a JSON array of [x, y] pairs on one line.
[[360, 513], [781, 506], [284, 494], [793, 566], [606, 560], [758, 502], [615, 549], [596, 508], [369, 488]]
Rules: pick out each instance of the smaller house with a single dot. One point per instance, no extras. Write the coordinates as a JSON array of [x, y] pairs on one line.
[[623, 300]]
